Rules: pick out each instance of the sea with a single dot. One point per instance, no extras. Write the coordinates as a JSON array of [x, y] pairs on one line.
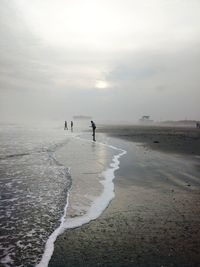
[[51, 180]]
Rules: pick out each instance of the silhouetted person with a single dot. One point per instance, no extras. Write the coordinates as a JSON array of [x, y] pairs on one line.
[[72, 124], [65, 126], [93, 130]]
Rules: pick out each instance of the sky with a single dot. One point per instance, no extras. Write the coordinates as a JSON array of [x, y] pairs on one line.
[[110, 59]]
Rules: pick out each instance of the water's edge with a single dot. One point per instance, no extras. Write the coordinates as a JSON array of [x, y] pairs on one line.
[[97, 208]]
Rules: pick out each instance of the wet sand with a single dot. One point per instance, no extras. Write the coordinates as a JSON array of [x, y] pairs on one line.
[[184, 140], [154, 218]]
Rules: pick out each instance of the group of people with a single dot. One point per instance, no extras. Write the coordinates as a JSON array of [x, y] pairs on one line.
[[92, 125]]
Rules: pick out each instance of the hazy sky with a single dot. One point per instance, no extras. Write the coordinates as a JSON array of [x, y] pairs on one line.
[[111, 59]]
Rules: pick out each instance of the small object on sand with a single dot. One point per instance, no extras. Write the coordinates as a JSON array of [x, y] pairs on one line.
[[156, 142]]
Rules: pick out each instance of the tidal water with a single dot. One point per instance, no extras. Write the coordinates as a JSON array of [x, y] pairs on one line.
[[50, 180], [33, 190]]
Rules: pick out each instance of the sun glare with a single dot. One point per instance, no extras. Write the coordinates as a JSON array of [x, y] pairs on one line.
[[101, 84]]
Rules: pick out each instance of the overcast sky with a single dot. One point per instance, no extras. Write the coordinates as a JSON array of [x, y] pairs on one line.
[[111, 59]]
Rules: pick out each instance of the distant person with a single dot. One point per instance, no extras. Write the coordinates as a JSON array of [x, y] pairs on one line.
[[93, 130], [72, 124], [198, 125], [65, 128]]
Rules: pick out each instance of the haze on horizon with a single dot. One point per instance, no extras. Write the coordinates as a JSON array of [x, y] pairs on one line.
[[110, 59]]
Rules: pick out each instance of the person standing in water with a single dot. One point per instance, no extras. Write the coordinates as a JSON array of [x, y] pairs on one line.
[[72, 124], [93, 130], [65, 128]]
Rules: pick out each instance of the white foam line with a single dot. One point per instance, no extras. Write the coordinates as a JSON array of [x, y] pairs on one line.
[[49, 247], [98, 206], [101, 202]]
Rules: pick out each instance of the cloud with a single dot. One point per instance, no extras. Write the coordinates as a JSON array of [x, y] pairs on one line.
[[147, 52]]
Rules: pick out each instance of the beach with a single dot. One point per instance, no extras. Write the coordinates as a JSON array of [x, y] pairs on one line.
[[100, 133], [172, 139], [153, 219]]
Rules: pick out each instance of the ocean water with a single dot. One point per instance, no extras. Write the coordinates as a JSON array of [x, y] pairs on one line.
[[50, 180], [33, 190]]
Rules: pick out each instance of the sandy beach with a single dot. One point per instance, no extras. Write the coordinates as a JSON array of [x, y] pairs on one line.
[[154, 218], [99, 133], [182, 140]]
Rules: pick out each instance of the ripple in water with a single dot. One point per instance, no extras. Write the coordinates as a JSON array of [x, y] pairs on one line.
[[33, 192]]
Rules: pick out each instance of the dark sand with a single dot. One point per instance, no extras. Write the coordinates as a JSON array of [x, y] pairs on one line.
[[184, 140], [154, 219]]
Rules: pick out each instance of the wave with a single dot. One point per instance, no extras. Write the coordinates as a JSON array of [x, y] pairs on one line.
[[14, 156], [49, 247], [96, 209], [34, 188], [46, 148]]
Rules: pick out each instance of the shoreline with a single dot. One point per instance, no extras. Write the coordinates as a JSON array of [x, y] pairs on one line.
[[86, 206], [169, 139], [152, 221]]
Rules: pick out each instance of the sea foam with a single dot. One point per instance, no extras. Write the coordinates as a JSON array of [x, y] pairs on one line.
[[49, 247], [96, 209]]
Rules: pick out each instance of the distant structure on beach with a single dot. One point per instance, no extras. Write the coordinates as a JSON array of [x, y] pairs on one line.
[[81, 117], [145, 119]]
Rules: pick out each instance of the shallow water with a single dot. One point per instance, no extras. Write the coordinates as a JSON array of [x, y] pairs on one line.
[[51, 180], [33, 190], [92, 169]]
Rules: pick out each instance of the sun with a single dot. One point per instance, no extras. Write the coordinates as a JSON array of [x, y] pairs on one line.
[[100, 84]]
